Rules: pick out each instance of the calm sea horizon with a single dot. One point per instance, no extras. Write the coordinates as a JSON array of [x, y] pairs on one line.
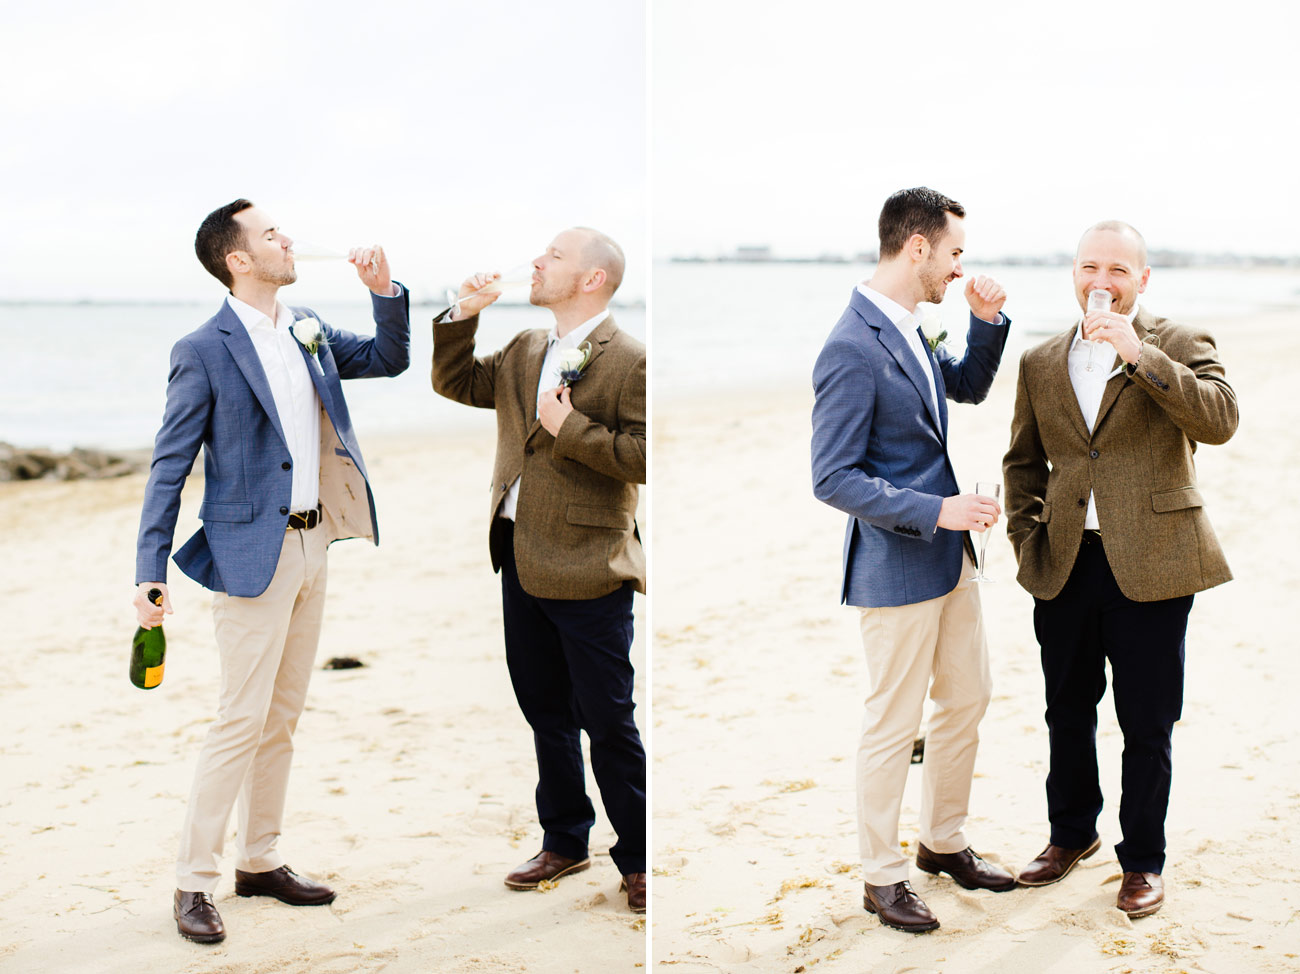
[[95, 375], [739, 326]]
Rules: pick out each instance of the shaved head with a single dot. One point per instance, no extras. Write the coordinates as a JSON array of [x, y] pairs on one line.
[[599, 250], [1118, 226]]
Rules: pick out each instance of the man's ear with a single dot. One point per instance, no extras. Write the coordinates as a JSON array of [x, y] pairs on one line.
[[595, 280], [917, 247], [238, 263]]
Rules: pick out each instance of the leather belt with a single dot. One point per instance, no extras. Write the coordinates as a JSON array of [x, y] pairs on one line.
[[304, 520], [1091, 537]]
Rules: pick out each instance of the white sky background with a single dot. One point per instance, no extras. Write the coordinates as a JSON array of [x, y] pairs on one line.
[[789, 124], [462, 136]]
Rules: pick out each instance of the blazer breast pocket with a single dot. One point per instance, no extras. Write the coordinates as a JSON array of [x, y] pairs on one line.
[[588, 406]]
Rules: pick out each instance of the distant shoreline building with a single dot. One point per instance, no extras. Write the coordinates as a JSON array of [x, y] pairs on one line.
[[764, 254]]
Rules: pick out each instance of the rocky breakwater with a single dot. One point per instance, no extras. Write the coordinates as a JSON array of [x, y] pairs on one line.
[[20, 463]]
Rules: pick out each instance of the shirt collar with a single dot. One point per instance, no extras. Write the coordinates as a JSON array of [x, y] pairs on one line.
[[891, 309], [1078, 330], [574, 338], [252, 318]]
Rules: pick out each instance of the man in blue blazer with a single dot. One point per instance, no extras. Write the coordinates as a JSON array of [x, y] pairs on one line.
[[879, 453], [257, 386]]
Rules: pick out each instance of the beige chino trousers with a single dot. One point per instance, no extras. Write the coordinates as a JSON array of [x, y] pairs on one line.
[[267, 646], [938, 644]]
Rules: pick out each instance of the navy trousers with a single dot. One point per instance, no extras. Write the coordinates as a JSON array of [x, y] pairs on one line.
[[570, 666], [1088, 623]]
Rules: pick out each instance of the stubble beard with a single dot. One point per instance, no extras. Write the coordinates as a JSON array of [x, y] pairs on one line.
[[934, 285], [279, 276], [542, 296]]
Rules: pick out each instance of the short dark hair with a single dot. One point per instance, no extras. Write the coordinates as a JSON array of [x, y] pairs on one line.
[[920, 210], [218, 235]]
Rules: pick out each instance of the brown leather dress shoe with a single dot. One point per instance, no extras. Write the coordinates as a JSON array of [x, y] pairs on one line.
[[634, 883], [1053, 863], [899, 907], [967, 868], [285, 885], [1141, 894], [197, 918], [544, 866]]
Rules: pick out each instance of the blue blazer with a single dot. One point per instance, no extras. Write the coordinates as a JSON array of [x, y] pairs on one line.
[[218, 398], [880, 453]]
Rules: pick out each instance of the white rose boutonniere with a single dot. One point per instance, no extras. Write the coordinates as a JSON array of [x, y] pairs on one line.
[[572, 362], [309, 334], [933, 330]]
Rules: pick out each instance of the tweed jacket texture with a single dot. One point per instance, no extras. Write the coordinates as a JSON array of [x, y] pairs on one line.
[[575, 533], [1138, 462]]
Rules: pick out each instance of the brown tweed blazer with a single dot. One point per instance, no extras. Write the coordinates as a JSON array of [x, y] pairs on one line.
[[575, 525], [1138, 463]]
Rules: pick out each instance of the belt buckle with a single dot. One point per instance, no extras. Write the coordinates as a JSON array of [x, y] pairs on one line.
[[304, 520]]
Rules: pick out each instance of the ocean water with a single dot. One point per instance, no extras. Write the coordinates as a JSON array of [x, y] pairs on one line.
[[740, 325], [95, 375]]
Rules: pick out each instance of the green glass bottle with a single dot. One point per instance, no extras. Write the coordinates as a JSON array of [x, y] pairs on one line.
[[148, 650]]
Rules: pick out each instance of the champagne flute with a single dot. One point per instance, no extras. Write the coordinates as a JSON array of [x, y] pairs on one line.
[[1098, 300], [310, 252], [521, 275], [985, 489]]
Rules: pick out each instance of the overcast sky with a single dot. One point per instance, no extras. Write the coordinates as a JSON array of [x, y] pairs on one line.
[[791, 123], [461, 136]]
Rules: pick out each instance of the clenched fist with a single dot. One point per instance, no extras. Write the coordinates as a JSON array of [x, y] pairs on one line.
[[985, 297]]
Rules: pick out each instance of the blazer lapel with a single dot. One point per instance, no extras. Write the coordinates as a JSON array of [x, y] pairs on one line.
[[894, 342], [1120, 379], [532, 376], [897, 346], [599, 336], [1058, 380], [940, 390], [241, 350], [316, 369]]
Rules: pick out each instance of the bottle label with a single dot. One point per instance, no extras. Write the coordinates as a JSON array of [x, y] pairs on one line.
[[153, 676]]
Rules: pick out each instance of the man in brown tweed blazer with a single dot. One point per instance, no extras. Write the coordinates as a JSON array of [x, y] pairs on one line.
[[570, 407], [1108, 526]]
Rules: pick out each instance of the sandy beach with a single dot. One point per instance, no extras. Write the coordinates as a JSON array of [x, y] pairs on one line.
[[412, 791], [758, 684]]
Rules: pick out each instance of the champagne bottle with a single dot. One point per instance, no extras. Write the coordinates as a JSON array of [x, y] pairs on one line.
[[148, 649]]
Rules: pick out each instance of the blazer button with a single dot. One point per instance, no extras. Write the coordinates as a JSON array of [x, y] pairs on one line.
[[284, 510], [1082, 502], [286, 465], [528, 451], [1094, 454]]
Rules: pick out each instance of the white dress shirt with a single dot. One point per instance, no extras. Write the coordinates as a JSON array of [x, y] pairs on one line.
[[549, 379], [296, 402], [908, 324], [1089, 387]]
